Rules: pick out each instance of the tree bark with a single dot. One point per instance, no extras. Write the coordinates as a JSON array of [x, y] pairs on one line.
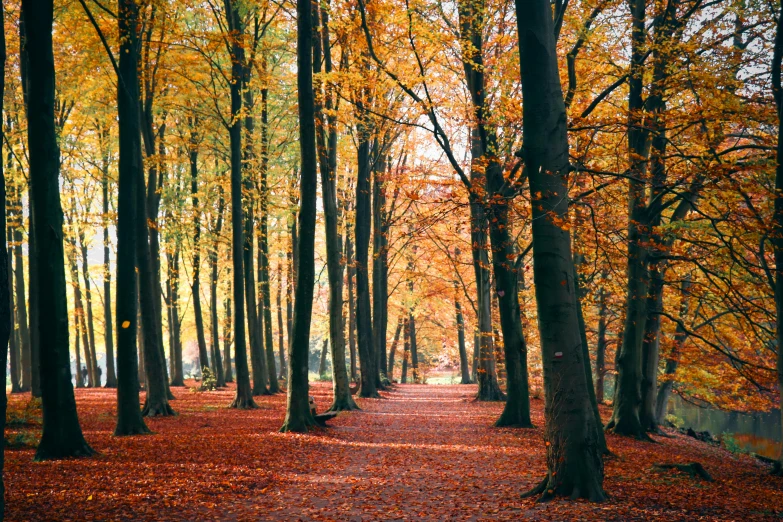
[[220, 375], [463, 353], [227, 372], [62, 436], [6, 296], [322, 360], [280, 342], [672, 360], [406, 347], [393, 349], [175, 342], [600, 350], [380, 269], [351, 306], [89, 317], [244, 395], [574, 461], [203, 355], [111, 375], [298, 417], [362, 234], [327, 159]]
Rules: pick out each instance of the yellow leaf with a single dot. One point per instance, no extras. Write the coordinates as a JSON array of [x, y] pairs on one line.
[[125, 324]]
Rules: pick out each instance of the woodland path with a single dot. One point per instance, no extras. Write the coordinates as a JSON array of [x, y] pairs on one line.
[[422, 452]]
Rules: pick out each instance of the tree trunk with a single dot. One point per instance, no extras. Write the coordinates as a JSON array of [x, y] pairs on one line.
[[175, 326], [406, 347], [21, 296], [62, 436], [78, 315], [574, 461], [380, 295], [672, 361], [244, 395], [487, 378], [227, 372], [203, 356], [220, 376], [77, 346], [600, 350], [327, 158], [111, 375], [393, 349], [651, 349], [777, 224], [625, 416], [89, 317], [362, 234], [351, 306], [13, 346], [6, 310], [413, 348], [263, 261], [463, 353], [298, 417], [322, 360], [280, 342], [35, 330]]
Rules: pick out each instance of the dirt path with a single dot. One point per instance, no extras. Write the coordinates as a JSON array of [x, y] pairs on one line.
[[419, 453]]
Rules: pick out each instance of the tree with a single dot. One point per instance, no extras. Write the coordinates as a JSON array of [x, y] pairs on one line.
[[298, 417], [574, 461], [62, 435]]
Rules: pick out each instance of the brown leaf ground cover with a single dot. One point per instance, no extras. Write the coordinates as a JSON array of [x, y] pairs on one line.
[[422, 452]]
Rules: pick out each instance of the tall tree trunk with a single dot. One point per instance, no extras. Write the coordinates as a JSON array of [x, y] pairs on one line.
[[280, 341], [327, 158], [487, 378], [78, 314], [175, 326], [21, 298], [351, 305], [263, 239], [298, 417], [651, 348], [203, 356], [777, 224], [244, 395], [6, 310], [574, 460], [89, 317], [463, 353], [322, 360], [227, 372], [600, 350], [220, 376], [362, 234], [672, 360], [62, 436], [13, 346], [77, 346], [625, 416], [129, 418], [111, 375], [393, 349], [406, 347], [380, 290]]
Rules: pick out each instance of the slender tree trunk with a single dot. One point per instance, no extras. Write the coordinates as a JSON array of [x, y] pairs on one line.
[[77, 346], [651, 349], [672, 360], [393, 349], [351, 306], [89, 317], [6, 296], [220, 376], [78, 314], [406, 347], [35, 330], [777, 224], [322, 360], [487, 378], [21, 299], [227, 372], [13, 346], [574, 460], [380, 295], [203, 356], [362, 234], [463, 353], [625, 416], [111, 375], [263, 261], [280, 341], [62, 436], [244, 395], [327, 157], [175, 348], [298, 417], [600, 351]]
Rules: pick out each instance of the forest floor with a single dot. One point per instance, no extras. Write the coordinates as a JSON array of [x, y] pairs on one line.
[[422, 452]]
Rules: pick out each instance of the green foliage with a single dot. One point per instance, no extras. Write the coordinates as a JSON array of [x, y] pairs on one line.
[[208, 380], [675, 421], [728, 441], [25, 439], [30, 414]]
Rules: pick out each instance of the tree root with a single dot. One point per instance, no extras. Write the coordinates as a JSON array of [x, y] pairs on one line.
[[302, 424], [546, 491], [346, 404], [79, 449], [161, 409], [694, 469], [243, 403], [261, 393]]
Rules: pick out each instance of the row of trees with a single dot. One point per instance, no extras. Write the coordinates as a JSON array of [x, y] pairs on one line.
[[453, 161]]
